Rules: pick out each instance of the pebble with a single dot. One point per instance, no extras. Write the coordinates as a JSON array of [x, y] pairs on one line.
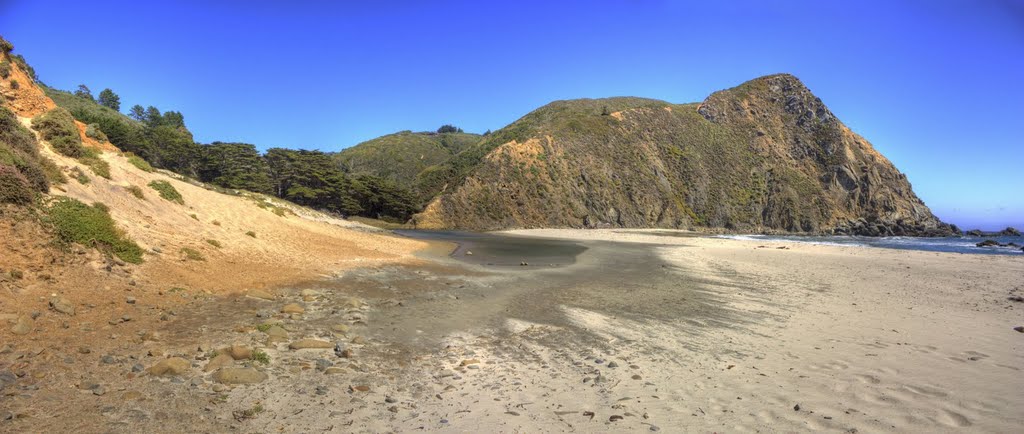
[[334, 370], [138, 367], [393, 409], [390, 400], [613, 365], [323, 364], [321, 390], [468, 362], [108, 360], [130, 300], [599, 361], [237, 352], [637, 377], [99, 391]]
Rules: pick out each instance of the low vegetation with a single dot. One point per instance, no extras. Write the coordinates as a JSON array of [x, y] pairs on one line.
[[192, 254], [136, 191], [214, 243], [92, 160], [23, 172], [80, 176], [167, 191], [93, 131], [138, 162], [76, 222], [57, 126], [260, 356]]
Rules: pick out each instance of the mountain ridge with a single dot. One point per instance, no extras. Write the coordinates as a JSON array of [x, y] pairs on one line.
[[764, 156]]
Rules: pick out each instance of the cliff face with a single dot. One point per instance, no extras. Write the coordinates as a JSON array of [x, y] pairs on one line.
[[766, 156]]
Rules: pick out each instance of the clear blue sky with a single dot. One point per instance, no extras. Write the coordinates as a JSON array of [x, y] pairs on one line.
[[937, 86]]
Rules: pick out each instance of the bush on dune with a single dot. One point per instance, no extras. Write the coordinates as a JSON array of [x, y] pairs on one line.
[[58, 127], [76, 222]]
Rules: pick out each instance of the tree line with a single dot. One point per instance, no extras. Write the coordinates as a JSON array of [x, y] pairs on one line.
[[309, 178]]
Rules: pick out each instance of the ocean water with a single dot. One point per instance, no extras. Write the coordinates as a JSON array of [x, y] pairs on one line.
[[940, 244]]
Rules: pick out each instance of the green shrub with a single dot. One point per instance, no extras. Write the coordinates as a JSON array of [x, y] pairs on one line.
[[92, 159], [15, 85], [139, 163], [251, 234], [14, 188], [52, 172], [80, 176], [76, 222], [6, 46], [58, 127], [136, 191], [192, 254], [17, 274], [93, 131], [215, 243], [167, 191], [5, 69], [267, 325], [260, 356]]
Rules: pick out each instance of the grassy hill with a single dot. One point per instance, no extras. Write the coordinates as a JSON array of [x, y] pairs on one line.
[[400, 157]]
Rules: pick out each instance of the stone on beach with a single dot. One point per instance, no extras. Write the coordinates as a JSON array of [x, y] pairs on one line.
[[168, 367], [303, 344], [293, 308]]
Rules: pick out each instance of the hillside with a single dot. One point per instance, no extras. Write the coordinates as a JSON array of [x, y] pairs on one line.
[[400, 157], [75, 210], [765, 156]]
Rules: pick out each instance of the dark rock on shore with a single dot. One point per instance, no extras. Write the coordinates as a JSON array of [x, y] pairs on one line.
[[1009, 232]]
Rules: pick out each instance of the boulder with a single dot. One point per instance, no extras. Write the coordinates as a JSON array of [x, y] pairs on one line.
[[220, 361], [23, 325], [1009, 232], [237, 352], [974, 233]]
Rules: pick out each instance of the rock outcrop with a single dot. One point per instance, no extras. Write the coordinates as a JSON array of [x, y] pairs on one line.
[[766, 156]]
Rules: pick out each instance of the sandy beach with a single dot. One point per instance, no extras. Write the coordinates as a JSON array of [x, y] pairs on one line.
[[645, 331]]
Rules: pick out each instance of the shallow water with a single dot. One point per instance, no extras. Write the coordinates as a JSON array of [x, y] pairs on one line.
[[504, 250], [939, 244]]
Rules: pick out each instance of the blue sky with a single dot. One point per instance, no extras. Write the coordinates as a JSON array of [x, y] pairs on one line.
[[936, 86]]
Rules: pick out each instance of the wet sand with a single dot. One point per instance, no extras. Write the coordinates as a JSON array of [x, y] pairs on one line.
[[639, 332]]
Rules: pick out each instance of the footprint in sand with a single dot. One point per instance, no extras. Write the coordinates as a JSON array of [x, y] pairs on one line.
[[926, 391], [952, 418], [867, 379]]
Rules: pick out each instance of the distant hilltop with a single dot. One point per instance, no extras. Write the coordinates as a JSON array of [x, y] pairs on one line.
[[765, 156]]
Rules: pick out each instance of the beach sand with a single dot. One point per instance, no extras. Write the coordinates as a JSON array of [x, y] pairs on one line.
[[643, 333]]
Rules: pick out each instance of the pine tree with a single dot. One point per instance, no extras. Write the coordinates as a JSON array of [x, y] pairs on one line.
[[110, 99]]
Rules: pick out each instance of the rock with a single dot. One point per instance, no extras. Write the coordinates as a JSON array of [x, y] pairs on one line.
[[323, 364], [23, 326], [1009, 232], [637, 377], [613, 365], [220, 361], [796, 407], [220, 388], [352, 303], [237, 352], [358, 340], [108, 360], [334, 370], [393, 409], [156, 352], [308, 293], [1019, 329], [390, 400], [304, 344], [468, 362], [260, 294], [974, 233], [130, 300], [138, 367], [360, 388], [293, 308], [150, 336], [99, 391], [339, 328], [989, 243], [276, 331], [62, 305], [239, 376], [169, 367]]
